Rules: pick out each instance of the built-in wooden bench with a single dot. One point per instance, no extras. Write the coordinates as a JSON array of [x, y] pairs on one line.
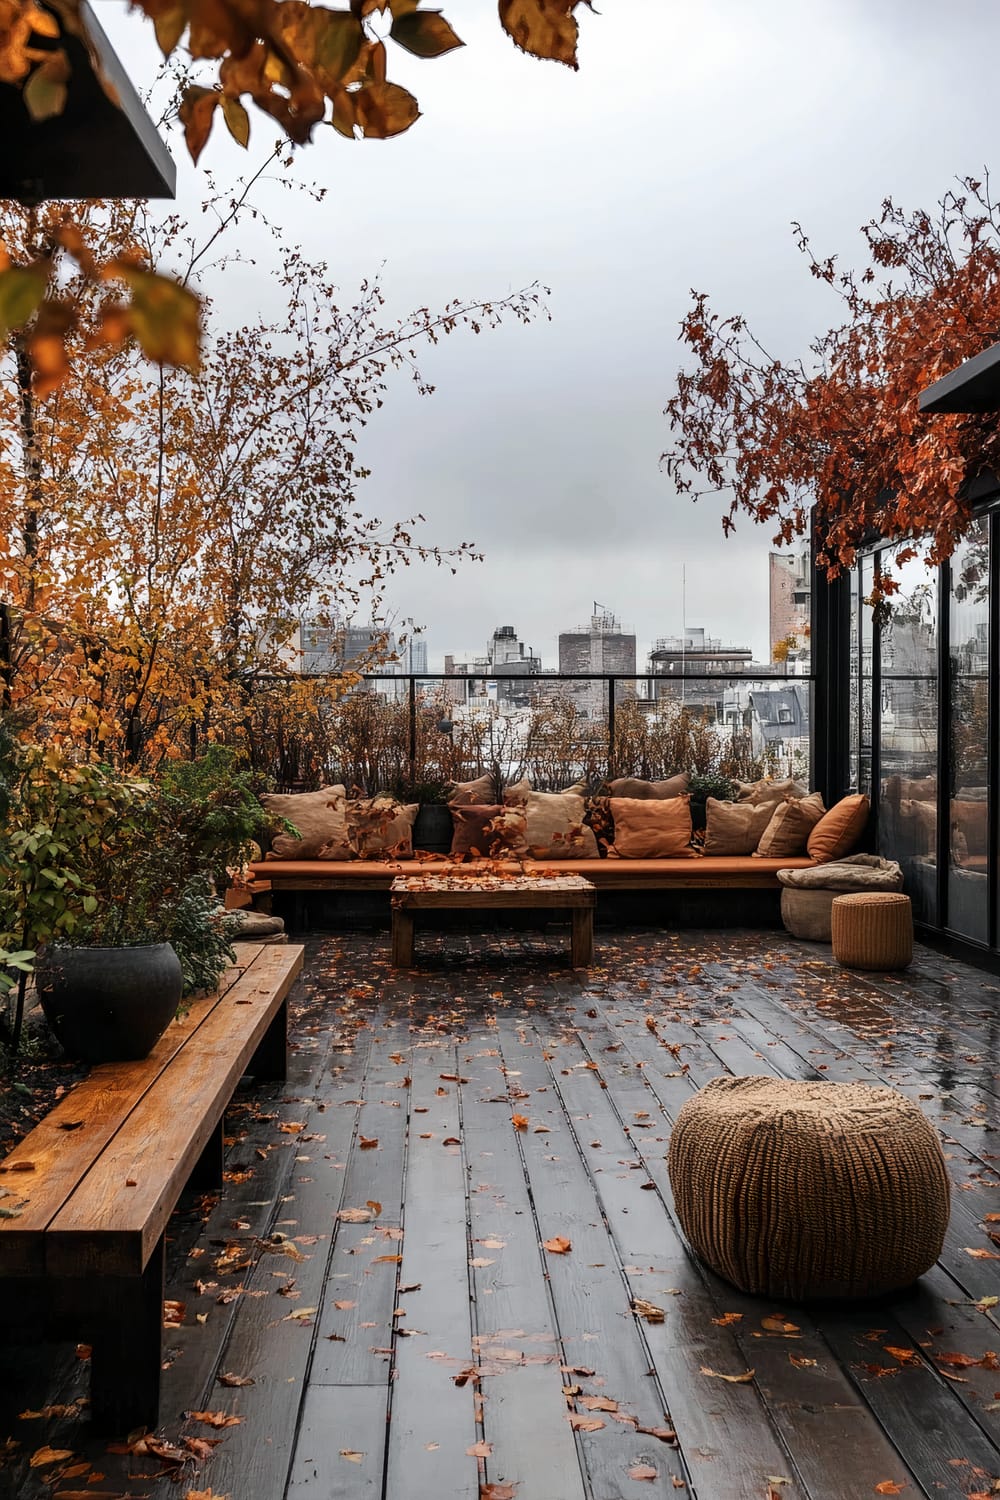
[[737, 872], [85, 1198], [709, 890]]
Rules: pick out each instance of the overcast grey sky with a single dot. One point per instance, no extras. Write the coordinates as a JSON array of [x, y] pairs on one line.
[[674, 159]]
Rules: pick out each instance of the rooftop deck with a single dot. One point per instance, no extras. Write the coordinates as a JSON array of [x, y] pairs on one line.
[[372, 1303]]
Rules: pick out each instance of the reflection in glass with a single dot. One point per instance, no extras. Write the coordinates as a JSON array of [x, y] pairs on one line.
[[908, 820], [854, 703], [969, 617]]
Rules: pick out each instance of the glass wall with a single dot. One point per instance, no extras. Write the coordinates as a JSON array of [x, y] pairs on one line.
[[968, 807], [908, 730], [922, 704]]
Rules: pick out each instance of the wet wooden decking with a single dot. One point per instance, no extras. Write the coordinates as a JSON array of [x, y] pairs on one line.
[[372, 1301]]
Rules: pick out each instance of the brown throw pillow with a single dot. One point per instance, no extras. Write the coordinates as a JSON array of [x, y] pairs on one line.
[[734, 827], [838, 830], [632, 786], [556, 828], [380, 828], [768, 791], [652, 827], [789, 826], [487, 832], [466, 793], [320, 817]]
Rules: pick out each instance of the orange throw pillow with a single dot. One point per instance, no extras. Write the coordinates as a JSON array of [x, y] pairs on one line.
[[839, 830], [653, 828]]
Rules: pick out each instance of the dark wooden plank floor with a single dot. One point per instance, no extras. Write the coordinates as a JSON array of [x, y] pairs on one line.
[[371, 1307]]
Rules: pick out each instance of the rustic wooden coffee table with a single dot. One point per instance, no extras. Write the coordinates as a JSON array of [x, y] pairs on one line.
[[413, 893]]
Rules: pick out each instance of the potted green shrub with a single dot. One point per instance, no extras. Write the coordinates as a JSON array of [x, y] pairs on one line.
[[109, 880], [703, 787]]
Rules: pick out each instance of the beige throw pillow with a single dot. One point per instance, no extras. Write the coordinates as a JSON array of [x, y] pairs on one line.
[[379, 827], [518, 794], [320, 817], [632, 786], [555, 827], [790, 825], [768, 791], [734, 827]]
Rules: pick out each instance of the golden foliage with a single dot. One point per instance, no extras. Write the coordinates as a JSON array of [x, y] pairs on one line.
[[162, 530]]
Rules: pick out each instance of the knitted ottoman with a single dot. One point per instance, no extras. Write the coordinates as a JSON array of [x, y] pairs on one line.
[[800, 1190], [873, 930]]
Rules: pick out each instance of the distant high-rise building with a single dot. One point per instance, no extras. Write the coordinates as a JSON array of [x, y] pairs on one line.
[[789, 598], [329, 645], [508, 659], [684, 669], [415, 655], [601, 646]]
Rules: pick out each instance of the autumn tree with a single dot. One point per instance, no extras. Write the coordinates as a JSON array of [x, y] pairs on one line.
[[305, 67], [164, 529], [839, 428]]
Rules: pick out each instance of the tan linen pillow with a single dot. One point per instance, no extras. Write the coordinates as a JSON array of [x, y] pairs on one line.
[[633, 786], [734, 827], [970, 818], [320, 817], [918, 825], [768, 791], [555, 827], [652, 827], [486, 830], [518, 794], [838, 830], [379, 827], [469, 793], [789, 826]]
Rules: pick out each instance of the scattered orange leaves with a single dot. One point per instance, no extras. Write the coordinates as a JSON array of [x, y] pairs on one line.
[[743, 1379]]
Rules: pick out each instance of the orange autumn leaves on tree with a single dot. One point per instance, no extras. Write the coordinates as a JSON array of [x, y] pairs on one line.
[[839, 428], [302, 65]]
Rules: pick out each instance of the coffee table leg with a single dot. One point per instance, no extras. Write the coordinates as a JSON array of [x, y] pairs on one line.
[[582, 942], [402, 938]]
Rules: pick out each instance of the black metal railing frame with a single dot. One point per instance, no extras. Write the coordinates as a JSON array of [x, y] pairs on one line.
[[612, 682]]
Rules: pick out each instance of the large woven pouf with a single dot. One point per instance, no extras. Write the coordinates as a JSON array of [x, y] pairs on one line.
[[872, 930], [805, 1190]]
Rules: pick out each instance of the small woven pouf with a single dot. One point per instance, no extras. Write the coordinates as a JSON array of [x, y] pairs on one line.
[[872, 930], [804, 1190]]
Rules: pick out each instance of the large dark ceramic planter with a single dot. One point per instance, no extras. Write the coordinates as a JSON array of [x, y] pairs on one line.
[[432, 829], [109, 1004]]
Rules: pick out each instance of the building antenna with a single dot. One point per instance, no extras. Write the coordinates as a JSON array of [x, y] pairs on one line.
[[683, 631]]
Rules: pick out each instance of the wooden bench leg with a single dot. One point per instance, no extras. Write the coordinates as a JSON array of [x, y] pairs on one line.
[[582, 940], [271, 1057], [402, 938], [127, 1345], [207, 1170]]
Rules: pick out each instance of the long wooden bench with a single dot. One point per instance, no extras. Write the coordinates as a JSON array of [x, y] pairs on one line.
[[85, 1198], [735, 872]]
